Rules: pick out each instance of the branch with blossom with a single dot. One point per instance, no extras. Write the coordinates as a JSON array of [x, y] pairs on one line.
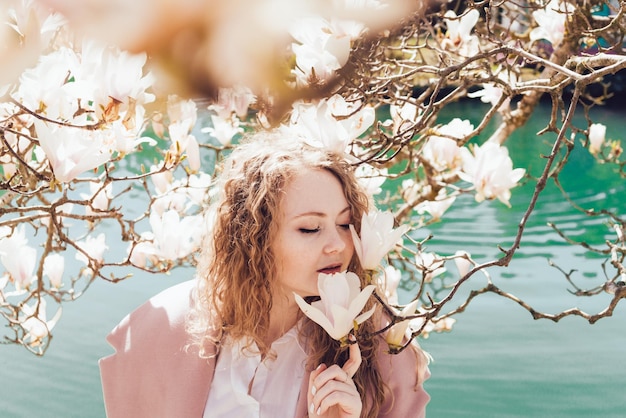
[[102, 144]]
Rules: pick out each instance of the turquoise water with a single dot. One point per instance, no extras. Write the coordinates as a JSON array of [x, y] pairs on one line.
[[497, 362]]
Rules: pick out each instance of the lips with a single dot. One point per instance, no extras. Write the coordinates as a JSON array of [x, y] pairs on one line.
[[332, 269]]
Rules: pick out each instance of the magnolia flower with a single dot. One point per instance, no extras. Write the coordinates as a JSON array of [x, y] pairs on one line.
[[492, 92], [236, 99], [442, 151], [597, 134], [183, 195], [53, 267], [162, 179], [430, 264], [143, 251], [72, 151], [341, 301], [436, 208], [370, 178], [180, 110], [323, 47], [94, 247], [441, 325], [463, 263], [398, 331], [377, 237], [459, 37], [331, 123], [490, 169], [35, 322], [403, 116], [224, 129], [389, 282], [100, 198], [17, 257], [551, 21], [183, 141], [174, 237]]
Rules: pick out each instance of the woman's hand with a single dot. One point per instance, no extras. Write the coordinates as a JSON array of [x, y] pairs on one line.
[[332, 392]]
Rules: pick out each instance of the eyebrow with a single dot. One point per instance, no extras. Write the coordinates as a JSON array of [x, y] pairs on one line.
[[321, 214]]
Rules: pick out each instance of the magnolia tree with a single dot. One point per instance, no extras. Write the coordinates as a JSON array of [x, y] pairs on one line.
[[110, 138]]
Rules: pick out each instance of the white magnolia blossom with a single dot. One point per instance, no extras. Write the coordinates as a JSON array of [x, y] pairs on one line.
[[36, 323], [490, 169], [162, 179], [183, 141], [442, 325], [370, 178], [183, 195], [142, 252], [17, 257], [73, 151], [430, 264], [597, 135], [396, 335], [341, 302], [377, 237], [551, 21], [174, 237], [179, 110], [442, 151], [389, 282], [436, 208], [101, 197], [331, 123], [492, 93], [462, 262], [53, 267], [459, 36], [322, 47], [224, 129], [236, 99], [94, 247], [403, 116]]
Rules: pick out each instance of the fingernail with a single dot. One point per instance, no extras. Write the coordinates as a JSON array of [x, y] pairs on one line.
[[318, 367], [311, 408], [313, 390]]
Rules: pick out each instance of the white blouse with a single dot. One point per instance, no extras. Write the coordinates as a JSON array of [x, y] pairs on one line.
[[245, 386]]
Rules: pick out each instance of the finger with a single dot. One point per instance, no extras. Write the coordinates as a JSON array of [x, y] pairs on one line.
[[354, 361], [340, 395], [313, 389]]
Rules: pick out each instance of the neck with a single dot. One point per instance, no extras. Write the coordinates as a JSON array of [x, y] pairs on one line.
[[283, 316]]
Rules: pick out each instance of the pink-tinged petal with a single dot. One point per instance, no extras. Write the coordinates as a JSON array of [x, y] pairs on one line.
[[396, 333], [343, 322], [193, 153], [315, 315], [354, 287], [364, 316], [359, 302], [333, 290]]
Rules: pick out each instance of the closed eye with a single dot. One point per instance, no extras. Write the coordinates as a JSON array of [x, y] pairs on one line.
[[344, 226], [309, 231]]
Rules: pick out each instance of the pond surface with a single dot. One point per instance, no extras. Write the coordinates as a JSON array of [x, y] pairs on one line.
[[497, 361]]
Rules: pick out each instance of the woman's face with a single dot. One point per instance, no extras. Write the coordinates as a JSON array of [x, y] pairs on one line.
[[313, 235]]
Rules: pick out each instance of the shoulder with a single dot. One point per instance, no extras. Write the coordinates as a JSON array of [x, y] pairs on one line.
[[163, 313], [152, 372], [404, 374]]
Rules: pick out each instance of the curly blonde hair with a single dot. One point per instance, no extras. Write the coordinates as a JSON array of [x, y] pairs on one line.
[[237, 267]]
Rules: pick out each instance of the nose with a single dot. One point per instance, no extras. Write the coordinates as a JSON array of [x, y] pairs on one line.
[[335, 242]]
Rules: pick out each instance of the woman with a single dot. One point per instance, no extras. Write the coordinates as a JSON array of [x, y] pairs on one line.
[[234, 343]]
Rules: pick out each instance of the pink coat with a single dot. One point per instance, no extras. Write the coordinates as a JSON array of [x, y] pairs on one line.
[[151, 376]]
